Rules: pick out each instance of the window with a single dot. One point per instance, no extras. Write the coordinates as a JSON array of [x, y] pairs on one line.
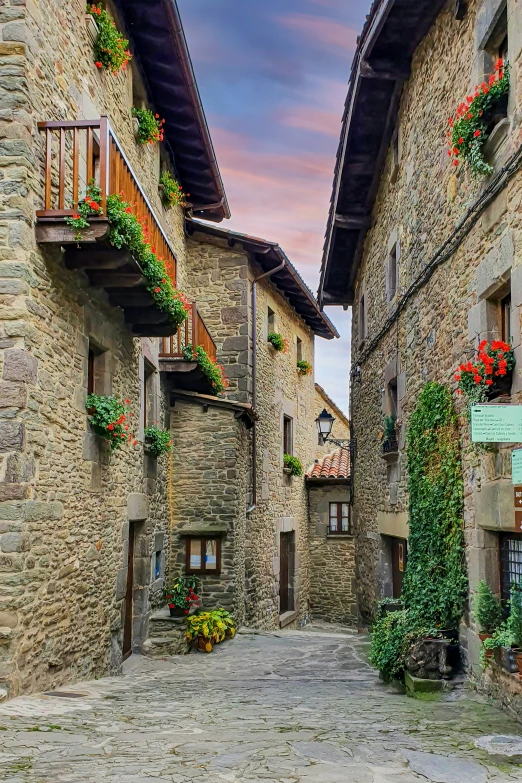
[[299, 350], [505, 318], [203, 555], [392, 273], [392, 403], [340, 518], [271, 320], [497, 47], [362, 319], [288, 435], [394, 155], [90, 372], [148, 397], [157, 566]]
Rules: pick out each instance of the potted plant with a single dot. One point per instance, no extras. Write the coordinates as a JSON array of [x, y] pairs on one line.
[[150, 127], [209, 628], [304, 367], [111, 50], [278, 342], [172, 192], [108, 417], [487, 611], [514, 623], [292, 465], [157, 441], [389, 435], [181, 596], [489, 375], [210, 368]]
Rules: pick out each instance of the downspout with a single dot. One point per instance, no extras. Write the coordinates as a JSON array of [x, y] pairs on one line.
[[255, 281]]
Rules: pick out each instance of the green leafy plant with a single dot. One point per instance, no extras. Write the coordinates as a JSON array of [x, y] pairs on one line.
[[158, 441], [294, 465], [435, 583], [278, 342], [129, 231], [172, 192], [468, 130], [390, 428], [150, 127], [110, 48], [304, 367], [211, 369], [182, 593], [89, 207], [514, 621], [502, 637], [487, 609], [214, 626], [108, 417]]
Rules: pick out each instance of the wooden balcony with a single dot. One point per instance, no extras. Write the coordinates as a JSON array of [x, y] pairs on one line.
[[77, 152], [184, 371]]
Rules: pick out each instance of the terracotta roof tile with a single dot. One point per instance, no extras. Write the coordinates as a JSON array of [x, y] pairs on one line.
[[334, 466]]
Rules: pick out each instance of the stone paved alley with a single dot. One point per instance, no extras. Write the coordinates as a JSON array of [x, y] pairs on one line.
[[299, 706]]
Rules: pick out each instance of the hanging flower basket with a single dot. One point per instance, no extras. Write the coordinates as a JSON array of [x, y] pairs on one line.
[[489, 375], [475, 118]]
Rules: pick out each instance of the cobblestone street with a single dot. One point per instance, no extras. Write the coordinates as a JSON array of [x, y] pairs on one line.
[[299, 706]]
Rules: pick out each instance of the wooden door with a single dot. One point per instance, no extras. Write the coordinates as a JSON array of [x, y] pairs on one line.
[[127, 629], [286, 572], [399, 558]]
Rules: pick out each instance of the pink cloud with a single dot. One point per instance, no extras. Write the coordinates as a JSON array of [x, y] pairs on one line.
[[326, 31], [316, 120], [280, 197]]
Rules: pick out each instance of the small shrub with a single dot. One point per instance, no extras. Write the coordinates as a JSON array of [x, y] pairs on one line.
[[293, 464], [487, 609], [278, 342], [158, 441], [150, 127], [304, 367], [108, 417], [212, 625], [390, 428], [181, 594], [210, 368]]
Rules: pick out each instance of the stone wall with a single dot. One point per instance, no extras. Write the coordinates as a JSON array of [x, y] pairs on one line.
[[333, 595], [208, 497], [443, 321], [65, 505], [221, 280]]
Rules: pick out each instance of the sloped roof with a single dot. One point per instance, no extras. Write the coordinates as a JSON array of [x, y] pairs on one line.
[[381, 66], [332, 466], [158, 41], [269, 256], [331, 404]]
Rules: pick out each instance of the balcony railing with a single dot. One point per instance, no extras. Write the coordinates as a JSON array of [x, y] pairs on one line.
[[193, 332], [79, 151]]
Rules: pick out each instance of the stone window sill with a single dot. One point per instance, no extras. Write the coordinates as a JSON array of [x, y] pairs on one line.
[[339, 536]]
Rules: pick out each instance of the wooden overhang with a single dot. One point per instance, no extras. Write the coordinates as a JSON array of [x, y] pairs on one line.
[[268, 255], [243, 411], [381, 65], [159, 45]]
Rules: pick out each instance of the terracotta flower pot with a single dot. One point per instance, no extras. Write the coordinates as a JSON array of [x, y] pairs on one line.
[[204, 644], [518, 659], [483, 637]]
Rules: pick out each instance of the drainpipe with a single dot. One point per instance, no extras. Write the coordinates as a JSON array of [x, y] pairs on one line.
[[255, 281]]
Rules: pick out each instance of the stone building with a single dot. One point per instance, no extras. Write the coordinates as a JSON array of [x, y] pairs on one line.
[[83, 533], [429, 258], [258, 514], [340, 427]]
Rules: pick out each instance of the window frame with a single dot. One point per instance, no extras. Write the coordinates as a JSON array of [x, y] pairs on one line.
[[339, 518], [288, 434], [504, 562], [392, 271], [203, 541], [362, 319], [271, 321]]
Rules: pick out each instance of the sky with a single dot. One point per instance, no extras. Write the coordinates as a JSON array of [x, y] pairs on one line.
[[273, 79]]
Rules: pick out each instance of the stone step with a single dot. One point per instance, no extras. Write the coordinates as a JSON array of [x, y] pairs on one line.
[[167, 635]]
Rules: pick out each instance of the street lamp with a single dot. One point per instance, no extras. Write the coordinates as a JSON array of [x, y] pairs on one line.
[[324, 423]]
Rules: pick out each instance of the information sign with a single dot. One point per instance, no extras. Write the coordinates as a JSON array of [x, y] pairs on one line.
[[516, 466], [496, 423]]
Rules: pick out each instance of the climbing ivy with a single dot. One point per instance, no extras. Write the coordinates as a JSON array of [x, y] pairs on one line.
[[435, 582]]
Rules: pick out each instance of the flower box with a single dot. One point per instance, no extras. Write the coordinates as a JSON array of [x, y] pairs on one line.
[[390, 447], [92, 28], [501, 386]]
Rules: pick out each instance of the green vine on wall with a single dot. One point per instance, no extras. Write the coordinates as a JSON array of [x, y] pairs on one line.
[[435, 582]]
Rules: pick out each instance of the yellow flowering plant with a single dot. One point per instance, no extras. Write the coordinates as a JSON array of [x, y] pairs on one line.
[[213, 626]]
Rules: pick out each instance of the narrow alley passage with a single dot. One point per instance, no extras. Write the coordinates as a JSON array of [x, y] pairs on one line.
[[294, 707]]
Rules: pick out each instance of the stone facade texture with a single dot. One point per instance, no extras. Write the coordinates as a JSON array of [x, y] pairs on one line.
[[333, 594], [65, 505], [442, 322]]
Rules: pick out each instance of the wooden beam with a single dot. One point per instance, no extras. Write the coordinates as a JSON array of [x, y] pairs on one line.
[[116, 280], [96, 258], [353, 221], [145, 315], [130, 297], [384, 69], [57, 233]]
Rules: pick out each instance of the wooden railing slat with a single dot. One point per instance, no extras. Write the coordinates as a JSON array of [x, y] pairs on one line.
[[76, 167], [90, 160], [61, 171], [48, 167]]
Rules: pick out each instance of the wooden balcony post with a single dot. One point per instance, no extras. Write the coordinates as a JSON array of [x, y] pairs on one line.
[[104, 161], [194, 331]]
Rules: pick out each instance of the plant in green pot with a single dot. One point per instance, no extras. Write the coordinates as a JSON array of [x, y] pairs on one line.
[[181, 596], [487, 611]]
